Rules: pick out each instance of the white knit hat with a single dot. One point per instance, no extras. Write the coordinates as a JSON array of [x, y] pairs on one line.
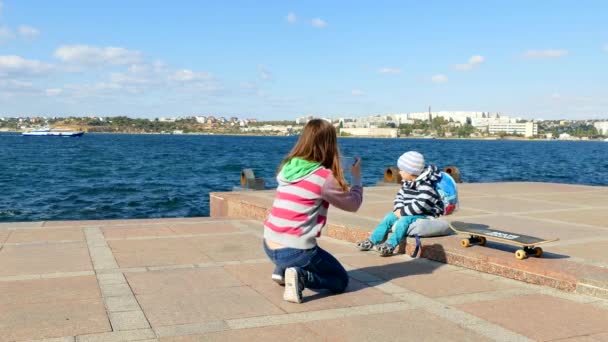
[[411, 162]]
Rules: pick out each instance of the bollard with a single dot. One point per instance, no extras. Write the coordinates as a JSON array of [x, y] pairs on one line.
[[391, 175], [454, 172], [250, 182]]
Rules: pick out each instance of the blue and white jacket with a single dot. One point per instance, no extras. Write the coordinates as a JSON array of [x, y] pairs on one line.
[[419, 197]]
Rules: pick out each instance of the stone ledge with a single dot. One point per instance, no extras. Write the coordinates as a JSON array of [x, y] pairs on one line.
[[553, 270]]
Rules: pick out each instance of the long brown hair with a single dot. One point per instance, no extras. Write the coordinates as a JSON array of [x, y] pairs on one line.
[[318, 143]]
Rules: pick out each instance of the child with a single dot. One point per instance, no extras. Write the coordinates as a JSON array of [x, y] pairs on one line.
[[416, 199], [310, 179]]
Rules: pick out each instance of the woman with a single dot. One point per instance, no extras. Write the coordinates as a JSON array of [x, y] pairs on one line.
[[310, 179]]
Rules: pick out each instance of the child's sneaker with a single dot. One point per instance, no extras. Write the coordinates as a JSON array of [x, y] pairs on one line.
[[293, 286], [365, 245], [279, 279], [385, 249]]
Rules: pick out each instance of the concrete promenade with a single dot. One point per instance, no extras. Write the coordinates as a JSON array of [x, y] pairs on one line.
[[207, 279]]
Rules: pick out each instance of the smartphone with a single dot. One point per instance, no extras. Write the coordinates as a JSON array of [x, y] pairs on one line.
[[347, 162]]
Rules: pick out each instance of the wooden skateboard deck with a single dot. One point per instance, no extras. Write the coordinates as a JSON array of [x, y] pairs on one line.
[[479, 233]]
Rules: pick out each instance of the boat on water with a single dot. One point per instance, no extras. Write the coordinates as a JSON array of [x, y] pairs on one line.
[[53, 132]]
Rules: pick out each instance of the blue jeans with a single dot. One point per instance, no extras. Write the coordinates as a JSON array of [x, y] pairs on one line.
[[317, 268], [401, 228]]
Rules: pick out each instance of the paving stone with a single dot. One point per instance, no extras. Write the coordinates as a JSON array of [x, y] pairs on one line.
[[52, 319], [118, 336], [293, 332], [49, 290], [313, 316], [111, 278], [166, 308], [518, 188], [501, 204], [58, 339], [115, 290], [393, 268], [139, 231], [412, 325], [258, 277], [237, 247], [122, 303], [4, 234], [181, 280], [592, 251], [128, 320], [443, 284], [45, 235], [541, 317], [204, 228], [102, 258], [190, 329], [593, 217], [46, 258], [156, 252], [595, 198]]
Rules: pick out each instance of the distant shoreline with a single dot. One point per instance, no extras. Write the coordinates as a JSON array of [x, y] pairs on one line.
[[346, 137]]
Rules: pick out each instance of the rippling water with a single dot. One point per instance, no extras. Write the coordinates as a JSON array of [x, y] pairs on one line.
[[111, 176]]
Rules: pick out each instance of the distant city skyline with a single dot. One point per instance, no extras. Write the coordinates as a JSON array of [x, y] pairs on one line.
[[281, 60]]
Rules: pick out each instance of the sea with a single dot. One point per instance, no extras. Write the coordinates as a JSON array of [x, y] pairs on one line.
[[118, 176]]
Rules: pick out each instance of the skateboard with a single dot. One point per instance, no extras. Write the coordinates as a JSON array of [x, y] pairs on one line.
[[479, 233]]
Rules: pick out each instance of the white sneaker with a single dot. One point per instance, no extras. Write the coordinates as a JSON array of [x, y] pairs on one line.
[[292, 293], [279, 279]]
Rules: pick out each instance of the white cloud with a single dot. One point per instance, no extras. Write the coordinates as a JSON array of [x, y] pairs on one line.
[[545, 54], [439, 78], [91, 55], [265, 74], [53, 91], [6, 34], [291, 18], [16, 65], [16, 86], [474, 61], [28, 31], [186, 76], [393, 71], [357, 92], [129, 78], [318, 23]]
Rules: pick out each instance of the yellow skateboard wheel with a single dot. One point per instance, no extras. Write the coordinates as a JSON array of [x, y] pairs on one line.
[[482, 241], [538, 252], [465, 243], [520, 254]]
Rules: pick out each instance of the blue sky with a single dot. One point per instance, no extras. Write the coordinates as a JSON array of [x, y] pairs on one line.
[[284, 59]]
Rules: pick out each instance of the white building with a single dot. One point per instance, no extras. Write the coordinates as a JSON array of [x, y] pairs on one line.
[[528, 129], [304, 120], [602, 127], [200, 119], [566, 136], [484, 123], [371, 132]]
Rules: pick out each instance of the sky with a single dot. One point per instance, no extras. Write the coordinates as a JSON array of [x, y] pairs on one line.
[[274, 60]]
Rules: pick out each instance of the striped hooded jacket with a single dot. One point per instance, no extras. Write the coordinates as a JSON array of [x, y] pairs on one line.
[[299, 212], [419, 197]]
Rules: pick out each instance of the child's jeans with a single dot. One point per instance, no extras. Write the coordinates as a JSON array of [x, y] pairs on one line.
[[319, 269], [401, 228]]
